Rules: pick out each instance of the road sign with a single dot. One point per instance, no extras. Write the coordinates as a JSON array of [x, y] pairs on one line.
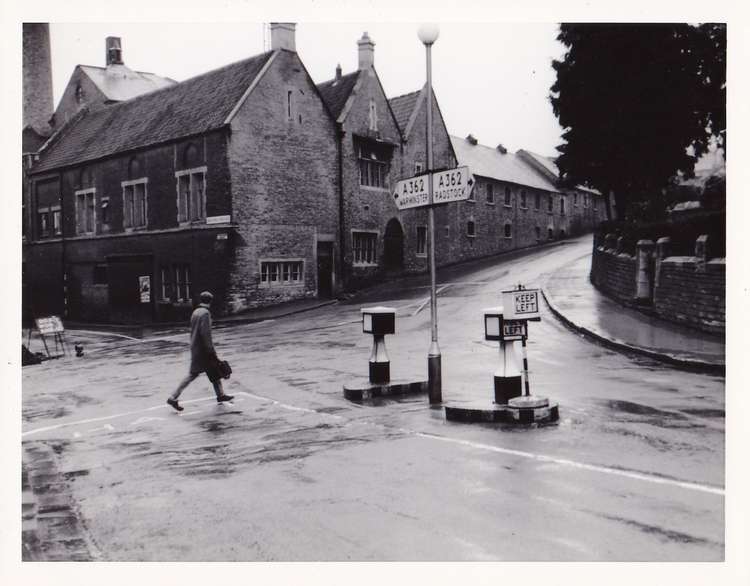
[[49, 325], [514, 329], [521, 304], [412, 192], [451, 185]]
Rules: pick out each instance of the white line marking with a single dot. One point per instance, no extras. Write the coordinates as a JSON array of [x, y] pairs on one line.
[[102, 334], [427, 300], [105, 418], [564, 462]]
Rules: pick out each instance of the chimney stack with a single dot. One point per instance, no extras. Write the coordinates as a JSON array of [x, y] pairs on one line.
[[502, 149], [114, 51], [471, 140], [366, 52], [282, 36], [338, 71]]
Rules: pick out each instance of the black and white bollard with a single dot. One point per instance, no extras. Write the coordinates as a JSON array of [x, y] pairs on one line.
[[379, 321], [507, 377]]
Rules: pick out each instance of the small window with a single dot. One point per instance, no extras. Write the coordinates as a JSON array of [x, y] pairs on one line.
[[550, 234], [549, 203], [471, 229], [79, 94], [56, 221], [537, 201], [508, 231], [182, 283], [490, 193], [575, 199], [421, 241], [364, 246], [134, 203], [593, 203], [472, 196], [562, 233], [85, 212], [191, 195], [508, 195], [100, 275], [538, 232], [523, 199], [281, 272], [43, 223], [373, 166], [166, 284], [289, 112], [562, 206], [373, 115]]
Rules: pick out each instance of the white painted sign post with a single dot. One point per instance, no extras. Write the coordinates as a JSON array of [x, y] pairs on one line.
[[521, 304]]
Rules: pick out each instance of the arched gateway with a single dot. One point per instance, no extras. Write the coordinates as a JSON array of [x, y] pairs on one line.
[[393, 245]]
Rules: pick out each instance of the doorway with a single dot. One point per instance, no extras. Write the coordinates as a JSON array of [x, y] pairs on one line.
[[393, 243], [325, 269]]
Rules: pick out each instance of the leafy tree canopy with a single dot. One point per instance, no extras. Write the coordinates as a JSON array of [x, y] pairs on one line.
[[631, 98]]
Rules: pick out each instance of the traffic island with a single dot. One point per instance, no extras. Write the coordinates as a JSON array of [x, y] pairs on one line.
[[363, 389], [518, 410]]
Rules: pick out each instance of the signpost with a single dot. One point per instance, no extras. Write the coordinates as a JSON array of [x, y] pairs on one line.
[[51, 324], [447, 186], [521, 304]]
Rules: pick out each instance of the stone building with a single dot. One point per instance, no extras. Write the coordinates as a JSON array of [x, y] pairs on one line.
[[226, 181]]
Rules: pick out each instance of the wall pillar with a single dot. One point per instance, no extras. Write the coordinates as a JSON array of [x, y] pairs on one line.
[[643, 273], [662, 252], [701, 253]]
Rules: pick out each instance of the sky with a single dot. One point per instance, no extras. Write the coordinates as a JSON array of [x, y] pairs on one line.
[[491, 79]]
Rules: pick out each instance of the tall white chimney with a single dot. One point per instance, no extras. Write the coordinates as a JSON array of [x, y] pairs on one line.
[[114, 50], [282, 36], [366, 52]]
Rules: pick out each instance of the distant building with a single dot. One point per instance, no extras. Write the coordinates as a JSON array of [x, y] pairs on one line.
[[91, 87]]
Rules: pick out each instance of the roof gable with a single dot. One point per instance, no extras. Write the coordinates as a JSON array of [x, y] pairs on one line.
[[336, 92], [119, 83], [404, 108], [194, 106]]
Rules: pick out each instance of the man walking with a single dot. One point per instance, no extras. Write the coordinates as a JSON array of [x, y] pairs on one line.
[[202, 354]]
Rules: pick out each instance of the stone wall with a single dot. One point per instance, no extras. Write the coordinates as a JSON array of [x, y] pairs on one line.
[[685, 289]]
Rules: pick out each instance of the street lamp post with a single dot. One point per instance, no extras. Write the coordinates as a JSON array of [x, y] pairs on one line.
[[428, 34]]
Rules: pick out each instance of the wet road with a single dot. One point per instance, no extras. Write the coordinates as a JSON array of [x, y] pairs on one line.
[[634, 469]]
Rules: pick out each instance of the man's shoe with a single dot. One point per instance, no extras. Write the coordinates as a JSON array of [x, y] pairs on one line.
[[224, 398], [175, 404]]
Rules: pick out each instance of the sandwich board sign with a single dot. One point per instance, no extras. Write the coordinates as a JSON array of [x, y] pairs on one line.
[[447, 186], [521, 304]]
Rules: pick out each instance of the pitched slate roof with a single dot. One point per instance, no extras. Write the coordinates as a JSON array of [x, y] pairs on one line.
[[119, 83], [547, 166], [489, 162], [403, 106], [335, 92], [191, 107]]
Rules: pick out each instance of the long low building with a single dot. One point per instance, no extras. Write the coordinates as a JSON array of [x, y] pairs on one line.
[[256, 183]]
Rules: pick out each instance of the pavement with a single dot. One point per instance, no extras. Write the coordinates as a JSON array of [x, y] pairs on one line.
[[574, 300]]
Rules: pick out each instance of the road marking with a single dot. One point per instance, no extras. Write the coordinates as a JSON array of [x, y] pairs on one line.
[[427, 300], [105, 418], [565, 462], [73, 332]]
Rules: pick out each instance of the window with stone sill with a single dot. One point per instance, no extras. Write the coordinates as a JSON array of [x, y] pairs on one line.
[[85, 201], [471, 229], [524, 203], [134, 203], [191, 195], [49, 222], [508, 197], [490, 193], [281, 272], [364, 248], [508, 231], [374, 161]]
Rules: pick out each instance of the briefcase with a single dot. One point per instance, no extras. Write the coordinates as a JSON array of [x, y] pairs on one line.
[[224, 369]]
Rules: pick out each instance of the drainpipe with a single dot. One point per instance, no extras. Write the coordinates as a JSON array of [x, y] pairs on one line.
[[62, 235], [342, 235]]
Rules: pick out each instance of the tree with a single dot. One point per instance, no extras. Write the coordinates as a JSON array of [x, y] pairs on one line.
[[632, 98]]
